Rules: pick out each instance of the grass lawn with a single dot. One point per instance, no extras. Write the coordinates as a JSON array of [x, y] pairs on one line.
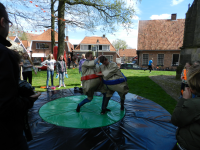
[[138, 81]]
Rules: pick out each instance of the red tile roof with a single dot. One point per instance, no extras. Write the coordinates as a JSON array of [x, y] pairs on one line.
[[25, 43], [160, 34], [45, 36], [12, 37], [127, 52], [71, 47], [93, 40]]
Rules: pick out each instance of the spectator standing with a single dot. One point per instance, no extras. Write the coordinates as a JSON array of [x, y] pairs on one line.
[[184, 77], [50, 68], [74, 61], [13, 108], [80, 64], [186, 113], [150, 65], [69, 61], [61, 70], [27, 68]]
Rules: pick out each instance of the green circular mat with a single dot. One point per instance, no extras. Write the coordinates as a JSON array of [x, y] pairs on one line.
[[62, 112]]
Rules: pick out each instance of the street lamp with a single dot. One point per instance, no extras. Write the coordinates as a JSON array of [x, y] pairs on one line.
[[97, 46]]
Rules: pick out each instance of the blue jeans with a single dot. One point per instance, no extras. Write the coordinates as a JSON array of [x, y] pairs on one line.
[[48, 75], [61, 78]]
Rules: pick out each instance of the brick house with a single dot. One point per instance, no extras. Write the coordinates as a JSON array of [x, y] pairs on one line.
[[103, 46], [36, 41], [160, 40], [127, 55]]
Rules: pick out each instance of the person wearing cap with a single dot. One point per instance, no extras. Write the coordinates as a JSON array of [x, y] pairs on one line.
[[13, 108]]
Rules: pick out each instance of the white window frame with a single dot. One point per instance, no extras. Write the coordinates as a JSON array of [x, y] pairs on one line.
[[83, 45], [163, 59], [143, 59], [110, 56], [173, 58], [39, 45]]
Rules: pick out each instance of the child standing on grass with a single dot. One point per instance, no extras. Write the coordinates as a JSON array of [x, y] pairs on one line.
[[50, 68], [61, 70], [184, 77], [186, 113], [27, 68]]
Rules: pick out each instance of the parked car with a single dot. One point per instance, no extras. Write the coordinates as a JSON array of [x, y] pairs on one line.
[[131, 66], [42, 67]]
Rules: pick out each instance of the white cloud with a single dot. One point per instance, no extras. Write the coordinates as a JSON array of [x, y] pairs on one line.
[[130, 37], [135, 18], [176, 2], [75, 41], [162, 16]]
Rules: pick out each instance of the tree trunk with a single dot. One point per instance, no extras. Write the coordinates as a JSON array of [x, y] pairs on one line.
[[52, 26], [61, 28]]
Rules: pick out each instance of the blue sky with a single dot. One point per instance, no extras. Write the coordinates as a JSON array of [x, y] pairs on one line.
[[146, 10]]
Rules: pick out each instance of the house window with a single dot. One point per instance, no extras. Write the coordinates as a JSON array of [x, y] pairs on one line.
[[42, 46], [89, 47], [84, 47], [105, 47], [100, 47], [160, 60], [175, 60], [145, 59], [110, 58], [94, 48]]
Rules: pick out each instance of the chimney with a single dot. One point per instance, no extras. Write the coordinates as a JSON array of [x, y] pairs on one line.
[[104, 35], [67, 38], [173, 17]]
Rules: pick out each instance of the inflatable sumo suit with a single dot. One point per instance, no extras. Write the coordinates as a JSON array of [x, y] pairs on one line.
[[90, 81], [113, 80]]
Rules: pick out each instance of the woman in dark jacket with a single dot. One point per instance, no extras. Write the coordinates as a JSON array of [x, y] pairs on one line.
[[61, 70], [186, 115]]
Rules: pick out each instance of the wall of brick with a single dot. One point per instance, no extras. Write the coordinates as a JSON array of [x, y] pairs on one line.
[[47, 51], [168, 56]]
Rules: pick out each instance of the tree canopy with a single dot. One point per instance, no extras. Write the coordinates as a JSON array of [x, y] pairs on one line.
[[91, 15], [87, 14], [120, 44]]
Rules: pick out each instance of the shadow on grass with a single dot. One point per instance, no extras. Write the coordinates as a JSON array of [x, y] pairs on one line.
[[145, 87]]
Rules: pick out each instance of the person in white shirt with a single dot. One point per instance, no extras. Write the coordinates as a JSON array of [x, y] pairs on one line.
[[50, 68]]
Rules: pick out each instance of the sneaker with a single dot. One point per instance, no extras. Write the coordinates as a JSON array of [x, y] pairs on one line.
[[59, 86], [64, 86]]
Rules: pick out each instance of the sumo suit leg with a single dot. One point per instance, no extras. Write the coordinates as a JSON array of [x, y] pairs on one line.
[[86, 100], [105, 104], [122, 97]]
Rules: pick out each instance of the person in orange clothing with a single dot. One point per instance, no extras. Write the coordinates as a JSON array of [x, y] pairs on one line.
[[184, 77]]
